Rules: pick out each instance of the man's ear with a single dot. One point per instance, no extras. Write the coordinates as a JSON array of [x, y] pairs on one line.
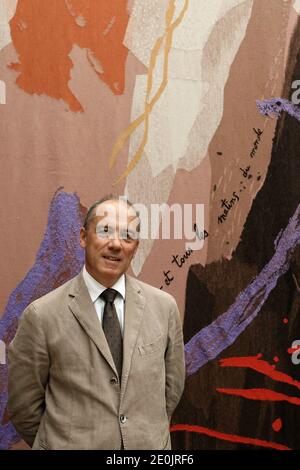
[[82, 239]]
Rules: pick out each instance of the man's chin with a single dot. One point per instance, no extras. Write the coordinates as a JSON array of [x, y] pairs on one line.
[[111, 266]]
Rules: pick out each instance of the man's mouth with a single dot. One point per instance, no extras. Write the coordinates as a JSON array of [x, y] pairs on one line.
[[112, 258]]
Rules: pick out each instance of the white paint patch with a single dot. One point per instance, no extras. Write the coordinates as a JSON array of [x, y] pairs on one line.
[[296, 6], [146, 24], [80, 21], [7, 11], [193, 82], [217, 58], [186, 117], [169, 123], [2, 92]]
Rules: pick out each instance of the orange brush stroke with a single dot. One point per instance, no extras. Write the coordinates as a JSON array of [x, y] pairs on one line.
[[44, 33]]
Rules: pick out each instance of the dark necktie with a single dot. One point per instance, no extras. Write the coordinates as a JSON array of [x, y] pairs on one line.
[[111, 328]]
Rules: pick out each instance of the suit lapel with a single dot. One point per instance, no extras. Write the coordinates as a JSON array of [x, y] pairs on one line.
[[134, 309], [83, 309]]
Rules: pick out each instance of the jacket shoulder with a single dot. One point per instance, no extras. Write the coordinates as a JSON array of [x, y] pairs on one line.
[[57, 295]]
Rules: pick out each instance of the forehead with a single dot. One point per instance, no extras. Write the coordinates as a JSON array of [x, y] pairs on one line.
[[115, 212]]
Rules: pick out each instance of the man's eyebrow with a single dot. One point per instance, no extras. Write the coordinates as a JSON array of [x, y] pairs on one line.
[[126, 230], [103, 225]]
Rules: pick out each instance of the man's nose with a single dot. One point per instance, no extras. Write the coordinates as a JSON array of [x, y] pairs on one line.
[[115, 243]]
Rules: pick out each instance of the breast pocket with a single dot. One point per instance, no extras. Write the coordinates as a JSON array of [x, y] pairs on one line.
[[155, 346]]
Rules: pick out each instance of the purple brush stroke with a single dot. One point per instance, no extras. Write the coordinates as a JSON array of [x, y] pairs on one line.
[[59, 259], [209, 342], [275, 106]]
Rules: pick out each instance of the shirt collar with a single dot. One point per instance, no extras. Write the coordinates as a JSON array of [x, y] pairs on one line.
[[95, 288]]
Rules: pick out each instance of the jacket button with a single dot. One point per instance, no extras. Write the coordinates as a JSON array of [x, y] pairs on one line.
[[113, 380], [123, 419]]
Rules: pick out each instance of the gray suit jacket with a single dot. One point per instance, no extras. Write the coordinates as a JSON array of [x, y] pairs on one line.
[[63, 387]]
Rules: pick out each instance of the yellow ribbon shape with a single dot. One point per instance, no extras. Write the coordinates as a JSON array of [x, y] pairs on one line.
[[167, 37]]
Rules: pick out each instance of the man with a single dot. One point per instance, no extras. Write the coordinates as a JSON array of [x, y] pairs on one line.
[[99, 362]]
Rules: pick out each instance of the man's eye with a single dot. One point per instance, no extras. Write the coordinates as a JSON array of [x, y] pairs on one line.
[[127, 235], [104, 231]]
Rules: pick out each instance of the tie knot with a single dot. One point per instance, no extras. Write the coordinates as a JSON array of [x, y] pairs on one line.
[[109, 295]]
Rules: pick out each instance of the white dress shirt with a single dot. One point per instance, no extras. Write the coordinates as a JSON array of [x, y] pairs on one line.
[[95, 289]]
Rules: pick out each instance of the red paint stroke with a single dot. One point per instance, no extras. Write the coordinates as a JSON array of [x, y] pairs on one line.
[[285, 321], [262, 394], [276, 359], [228, 437], [263, 367], [44, 33], [277, 425]]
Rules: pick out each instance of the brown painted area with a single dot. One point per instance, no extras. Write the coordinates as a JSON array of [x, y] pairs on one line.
[[257, 73], [44, 34]]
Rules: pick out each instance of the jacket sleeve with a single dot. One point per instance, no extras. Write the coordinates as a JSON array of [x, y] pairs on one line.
[[28, 369], [174, 361]]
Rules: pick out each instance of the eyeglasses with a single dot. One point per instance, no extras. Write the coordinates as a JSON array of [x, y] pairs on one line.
[[107, 232]]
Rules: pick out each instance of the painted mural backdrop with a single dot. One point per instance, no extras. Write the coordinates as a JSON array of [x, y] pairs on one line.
[[166, 101]]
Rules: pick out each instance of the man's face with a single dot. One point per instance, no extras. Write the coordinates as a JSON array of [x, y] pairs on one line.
[[110, 241]]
